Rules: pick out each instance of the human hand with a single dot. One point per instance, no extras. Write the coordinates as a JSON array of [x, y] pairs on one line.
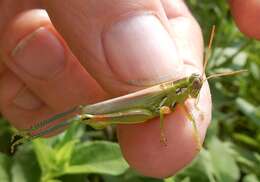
[[122, 45]]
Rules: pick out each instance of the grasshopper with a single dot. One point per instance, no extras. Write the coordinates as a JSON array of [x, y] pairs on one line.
[[137, 107]]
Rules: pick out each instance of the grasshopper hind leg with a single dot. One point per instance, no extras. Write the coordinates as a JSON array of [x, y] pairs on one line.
[[194, 125], [54, 118], [58, 126], [26, 135]]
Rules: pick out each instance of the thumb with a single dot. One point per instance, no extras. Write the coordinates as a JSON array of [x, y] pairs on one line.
[[126, 45], [123, 44]]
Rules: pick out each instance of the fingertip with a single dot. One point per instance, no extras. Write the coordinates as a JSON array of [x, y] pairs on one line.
[[143, 150], [26, 23], [246, 15], [145, 153]]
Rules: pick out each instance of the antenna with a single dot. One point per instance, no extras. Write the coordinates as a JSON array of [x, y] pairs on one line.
[[206, 56], [205, 62], [225, 74], [206, 59]]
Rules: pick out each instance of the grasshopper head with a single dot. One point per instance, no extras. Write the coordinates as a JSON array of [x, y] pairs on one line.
[[196, 84]]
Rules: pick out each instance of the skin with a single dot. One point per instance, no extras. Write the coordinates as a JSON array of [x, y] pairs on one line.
[[90, 70]]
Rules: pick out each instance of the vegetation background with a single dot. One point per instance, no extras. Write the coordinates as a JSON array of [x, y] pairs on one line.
[[232, 148]]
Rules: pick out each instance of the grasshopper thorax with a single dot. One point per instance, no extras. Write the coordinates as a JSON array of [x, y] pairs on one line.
[[196, 84]]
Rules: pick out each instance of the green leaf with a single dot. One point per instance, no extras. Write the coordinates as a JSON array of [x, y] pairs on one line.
[[5, 165], [130, 176], [74, 178], [207, 163], [63, 155], [251, 178], [25, 167], [187, 179], [225, 167], [254, 70], [248, 109], [52, 180], [247, 140], [47, 160], [247, 160], [201, 169], [171, 179], [97, 157], [75, 131], [22, 167]]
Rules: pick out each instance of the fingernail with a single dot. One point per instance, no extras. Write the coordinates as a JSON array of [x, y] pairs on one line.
[[25, 99], [40, 54], [140, 50]]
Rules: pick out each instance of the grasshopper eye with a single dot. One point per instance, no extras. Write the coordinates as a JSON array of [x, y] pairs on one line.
[[196, 86]]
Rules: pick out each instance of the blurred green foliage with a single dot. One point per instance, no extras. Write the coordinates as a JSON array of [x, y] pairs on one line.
[[231, 149]]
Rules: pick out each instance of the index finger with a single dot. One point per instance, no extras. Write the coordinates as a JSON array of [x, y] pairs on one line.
[[247, 15]]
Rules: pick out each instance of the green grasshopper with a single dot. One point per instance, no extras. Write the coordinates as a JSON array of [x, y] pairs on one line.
[[137, 107]]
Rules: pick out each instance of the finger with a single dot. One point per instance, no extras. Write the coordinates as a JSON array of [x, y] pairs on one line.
[[189, 45], [121, 51], [246, 15], [45, 75], [11, 8], [140, 143]]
